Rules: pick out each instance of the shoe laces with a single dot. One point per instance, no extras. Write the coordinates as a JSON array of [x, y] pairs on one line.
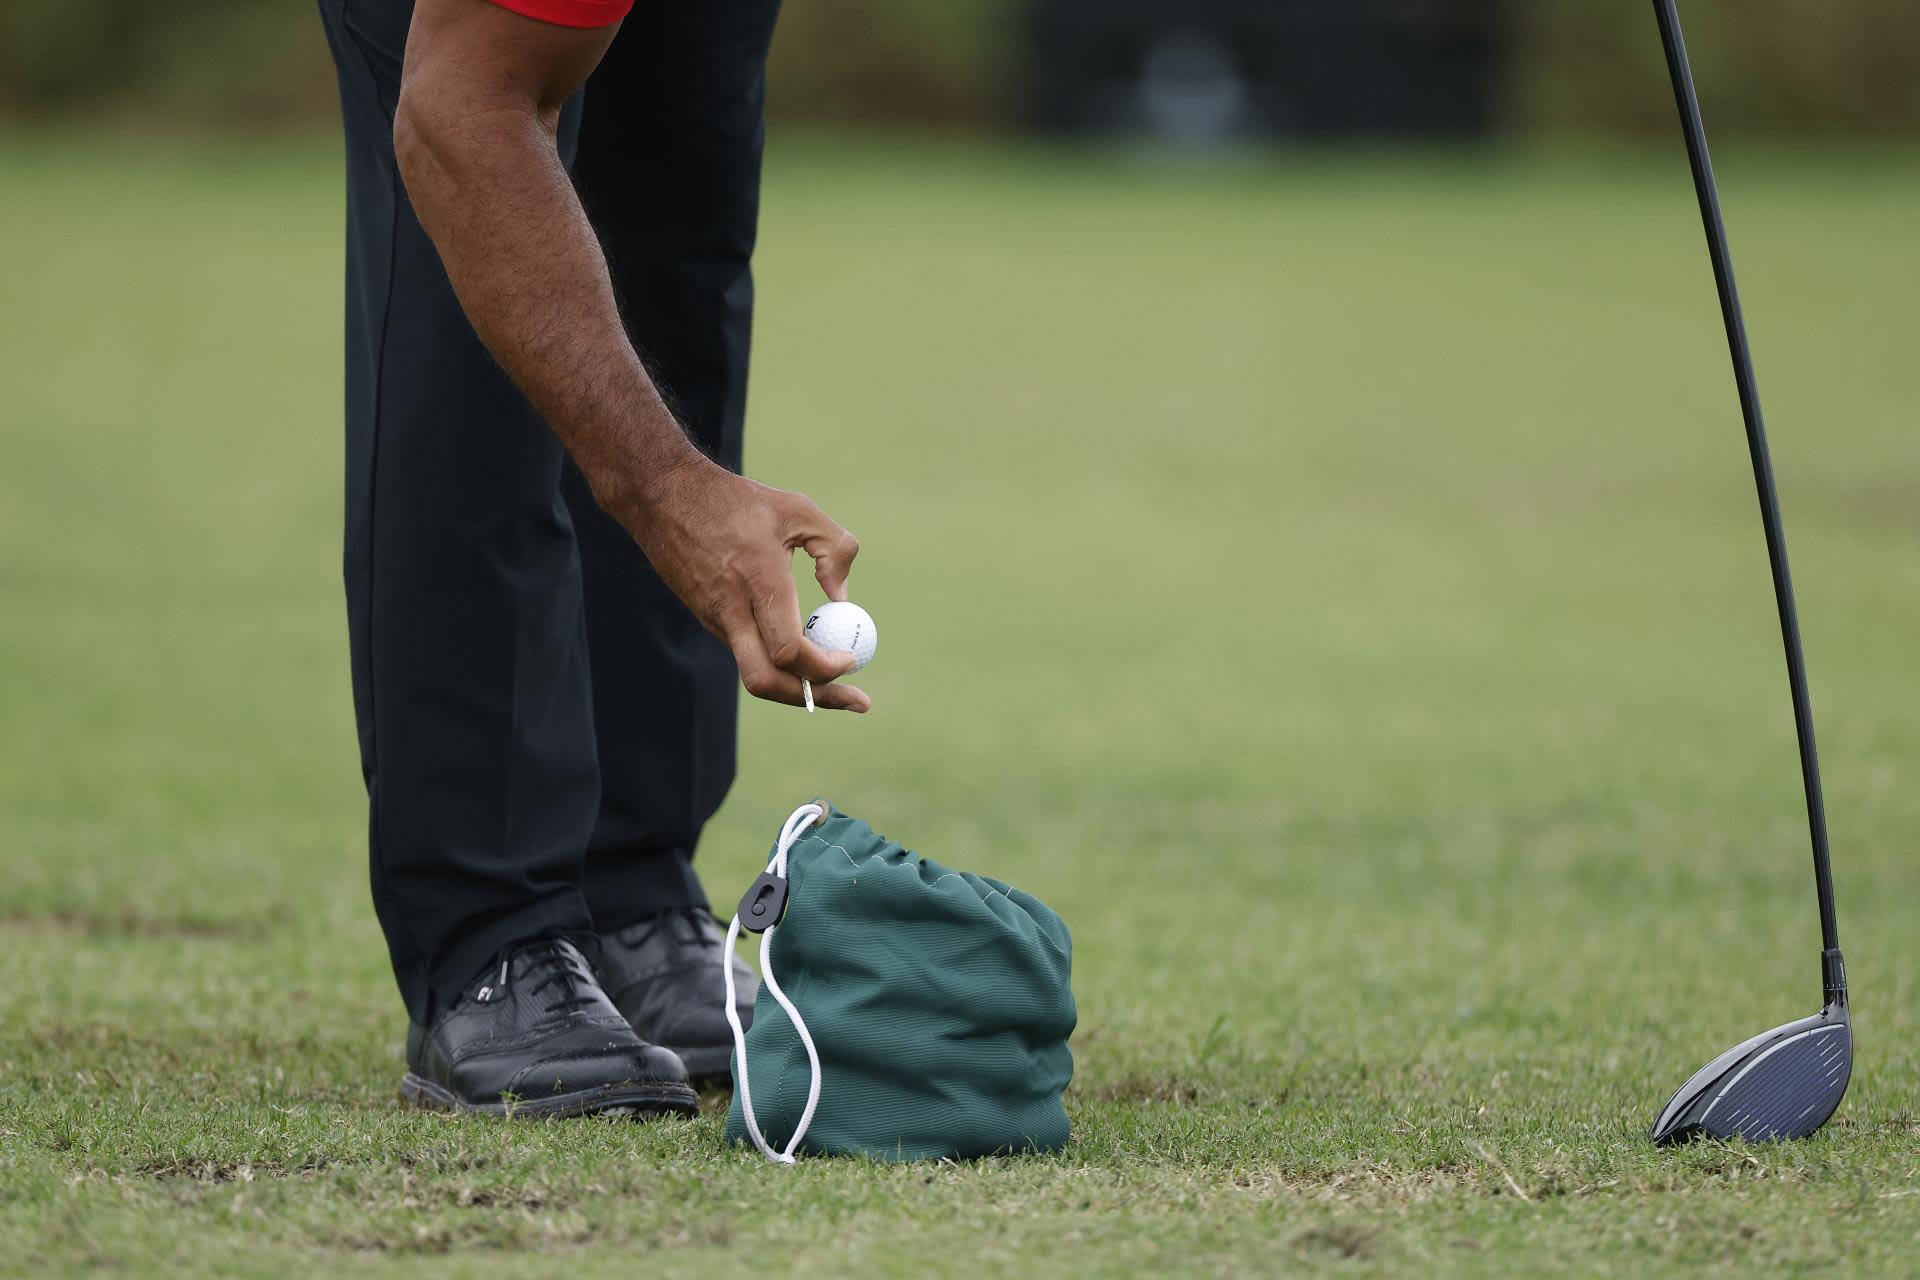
[[557, 966], [695, 924]]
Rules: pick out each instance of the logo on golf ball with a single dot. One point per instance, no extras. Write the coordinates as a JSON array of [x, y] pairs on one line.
[[839, 625]]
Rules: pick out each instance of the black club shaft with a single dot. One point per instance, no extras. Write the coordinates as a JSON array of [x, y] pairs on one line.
[[1705, 187]]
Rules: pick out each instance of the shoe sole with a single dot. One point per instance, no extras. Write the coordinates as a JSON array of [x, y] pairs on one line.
[[602, 1100]]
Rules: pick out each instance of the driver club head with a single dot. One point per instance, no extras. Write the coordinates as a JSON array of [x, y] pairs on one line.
[[1781, 1084]]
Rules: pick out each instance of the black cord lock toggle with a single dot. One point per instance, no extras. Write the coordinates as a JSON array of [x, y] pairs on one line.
[[765, 902]]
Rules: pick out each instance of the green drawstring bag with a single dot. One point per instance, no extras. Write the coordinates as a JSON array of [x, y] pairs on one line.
[[906, 1012]]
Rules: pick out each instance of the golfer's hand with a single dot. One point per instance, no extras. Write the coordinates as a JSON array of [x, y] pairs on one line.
[[725, 545]]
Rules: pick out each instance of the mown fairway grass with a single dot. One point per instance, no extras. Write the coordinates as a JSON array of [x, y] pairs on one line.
[[1333, 583]]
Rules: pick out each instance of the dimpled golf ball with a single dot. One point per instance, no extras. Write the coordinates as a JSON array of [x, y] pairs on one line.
[[839, 625]]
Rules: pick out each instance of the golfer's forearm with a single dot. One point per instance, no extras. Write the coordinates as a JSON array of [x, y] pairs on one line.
[[486, 180]]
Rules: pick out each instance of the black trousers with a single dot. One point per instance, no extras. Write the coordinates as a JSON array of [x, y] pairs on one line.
[[544, 728]]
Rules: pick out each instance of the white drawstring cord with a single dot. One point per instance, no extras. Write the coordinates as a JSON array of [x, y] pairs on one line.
[[796, 822]]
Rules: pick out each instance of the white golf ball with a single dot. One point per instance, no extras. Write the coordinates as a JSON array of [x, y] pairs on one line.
[[839, 625]]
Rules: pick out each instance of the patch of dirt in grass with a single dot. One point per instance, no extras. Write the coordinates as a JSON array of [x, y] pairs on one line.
[[538, 1229], [213, 1173], [1368, 1183], [533, 1199], [1342, 1239], [130, 922], [1146, 1088], [1881, 504]]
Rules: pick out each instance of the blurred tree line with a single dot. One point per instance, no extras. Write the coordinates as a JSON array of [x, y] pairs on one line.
[[1838, 67]]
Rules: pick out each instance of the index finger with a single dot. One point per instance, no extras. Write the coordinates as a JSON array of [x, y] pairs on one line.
[[831, 546], [833, 555]]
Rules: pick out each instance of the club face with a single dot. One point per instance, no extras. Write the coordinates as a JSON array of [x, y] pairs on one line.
[[1781, 1084]]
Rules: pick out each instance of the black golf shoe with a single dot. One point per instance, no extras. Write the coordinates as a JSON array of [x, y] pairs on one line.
[[536, 1036], [664, 975]]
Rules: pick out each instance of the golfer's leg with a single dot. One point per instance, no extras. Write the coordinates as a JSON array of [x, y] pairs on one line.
[[669, 170], [463, 585]]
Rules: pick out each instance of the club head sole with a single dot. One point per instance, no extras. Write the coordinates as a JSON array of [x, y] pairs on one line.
[[1782, 1084]]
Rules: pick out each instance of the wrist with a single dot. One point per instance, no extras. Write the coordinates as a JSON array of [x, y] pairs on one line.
[[634, 490]]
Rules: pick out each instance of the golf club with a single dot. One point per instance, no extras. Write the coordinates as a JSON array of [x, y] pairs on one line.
[[1786, 1082]]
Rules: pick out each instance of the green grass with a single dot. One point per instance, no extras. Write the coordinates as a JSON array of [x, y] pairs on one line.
[[1333, 583]]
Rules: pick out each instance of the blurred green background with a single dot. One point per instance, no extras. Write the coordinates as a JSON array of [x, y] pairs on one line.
[[1780, 66]]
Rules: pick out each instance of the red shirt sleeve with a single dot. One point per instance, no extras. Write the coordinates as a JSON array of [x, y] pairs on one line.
[[571, 13]]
